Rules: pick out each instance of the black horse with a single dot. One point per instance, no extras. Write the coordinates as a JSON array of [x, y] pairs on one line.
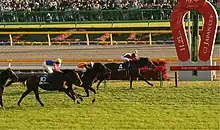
[[4, 76], [52, 82], [131, 70], [22, 77], [91, 75]]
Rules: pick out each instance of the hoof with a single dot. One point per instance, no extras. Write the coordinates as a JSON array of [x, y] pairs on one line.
[[18, 104], [93, 100], [78, 102], [81, 99]]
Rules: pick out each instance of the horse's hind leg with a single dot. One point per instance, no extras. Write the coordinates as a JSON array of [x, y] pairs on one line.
[[23, 95], [142, 78], [97, 86], [38, 97], [69, 94], [1, 93]]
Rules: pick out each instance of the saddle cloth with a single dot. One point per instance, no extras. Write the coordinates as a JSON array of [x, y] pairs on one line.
[[45, 79]]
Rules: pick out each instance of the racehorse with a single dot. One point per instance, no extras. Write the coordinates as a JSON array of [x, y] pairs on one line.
[[132, 71], [91, 75], [4, 76], [52, 82], [22, 77]]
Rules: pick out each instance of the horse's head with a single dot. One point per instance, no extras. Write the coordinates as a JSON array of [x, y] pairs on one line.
[[9, 73], [73, 76], [145, 62]]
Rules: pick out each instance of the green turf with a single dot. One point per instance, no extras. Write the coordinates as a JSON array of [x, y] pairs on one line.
[[193, 105]]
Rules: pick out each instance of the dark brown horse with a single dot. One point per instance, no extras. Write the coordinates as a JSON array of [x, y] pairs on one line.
[[91, 75], [53, 82], [4, 76], [131, 72]]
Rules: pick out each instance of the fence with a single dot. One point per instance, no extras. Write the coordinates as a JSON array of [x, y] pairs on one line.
[[192, 68], [111, 40]]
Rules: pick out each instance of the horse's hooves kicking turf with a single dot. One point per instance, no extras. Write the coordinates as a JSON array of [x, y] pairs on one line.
[[93, 100], [78, 102]]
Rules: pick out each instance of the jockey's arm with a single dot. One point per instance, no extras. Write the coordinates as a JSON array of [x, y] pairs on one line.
[[56, 67]]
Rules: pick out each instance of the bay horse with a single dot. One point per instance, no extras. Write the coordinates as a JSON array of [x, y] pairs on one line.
[[131, 72], [91, 75], [4, 76], [53, 82]]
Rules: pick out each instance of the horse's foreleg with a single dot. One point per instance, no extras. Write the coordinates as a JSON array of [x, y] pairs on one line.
[[23, 95], [131, 80], [23, 82], [86, 90], [9, 83], [38, 97], [1, 93], [94, 92]]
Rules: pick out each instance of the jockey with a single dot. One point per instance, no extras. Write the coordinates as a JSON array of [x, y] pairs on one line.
[[50, 64], [129, 57], [83, 66]]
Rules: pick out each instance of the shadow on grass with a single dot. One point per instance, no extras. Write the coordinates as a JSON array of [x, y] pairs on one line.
[[21, 92]]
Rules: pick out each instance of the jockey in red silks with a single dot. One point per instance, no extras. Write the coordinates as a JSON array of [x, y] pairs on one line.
[[49, 65], [83, 66]]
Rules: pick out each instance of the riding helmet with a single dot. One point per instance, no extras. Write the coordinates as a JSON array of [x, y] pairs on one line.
[[58, 60]]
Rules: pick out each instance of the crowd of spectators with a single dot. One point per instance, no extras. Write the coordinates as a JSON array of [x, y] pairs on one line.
[[63, 5], [7, 6]]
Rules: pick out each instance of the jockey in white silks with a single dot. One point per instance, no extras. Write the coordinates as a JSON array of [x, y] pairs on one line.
[[129, 57]]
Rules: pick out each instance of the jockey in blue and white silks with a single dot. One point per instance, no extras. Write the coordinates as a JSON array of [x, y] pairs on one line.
[[49, 65]]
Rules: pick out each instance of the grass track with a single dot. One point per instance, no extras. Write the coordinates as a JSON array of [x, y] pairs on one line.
[[193, 105]]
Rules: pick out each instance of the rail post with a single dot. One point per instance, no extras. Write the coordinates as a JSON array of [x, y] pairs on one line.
[[176, 85], [87, 39], [161, 78], [150, 39], [9, 65], [11, 41], [111, 39], [48, 37]]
